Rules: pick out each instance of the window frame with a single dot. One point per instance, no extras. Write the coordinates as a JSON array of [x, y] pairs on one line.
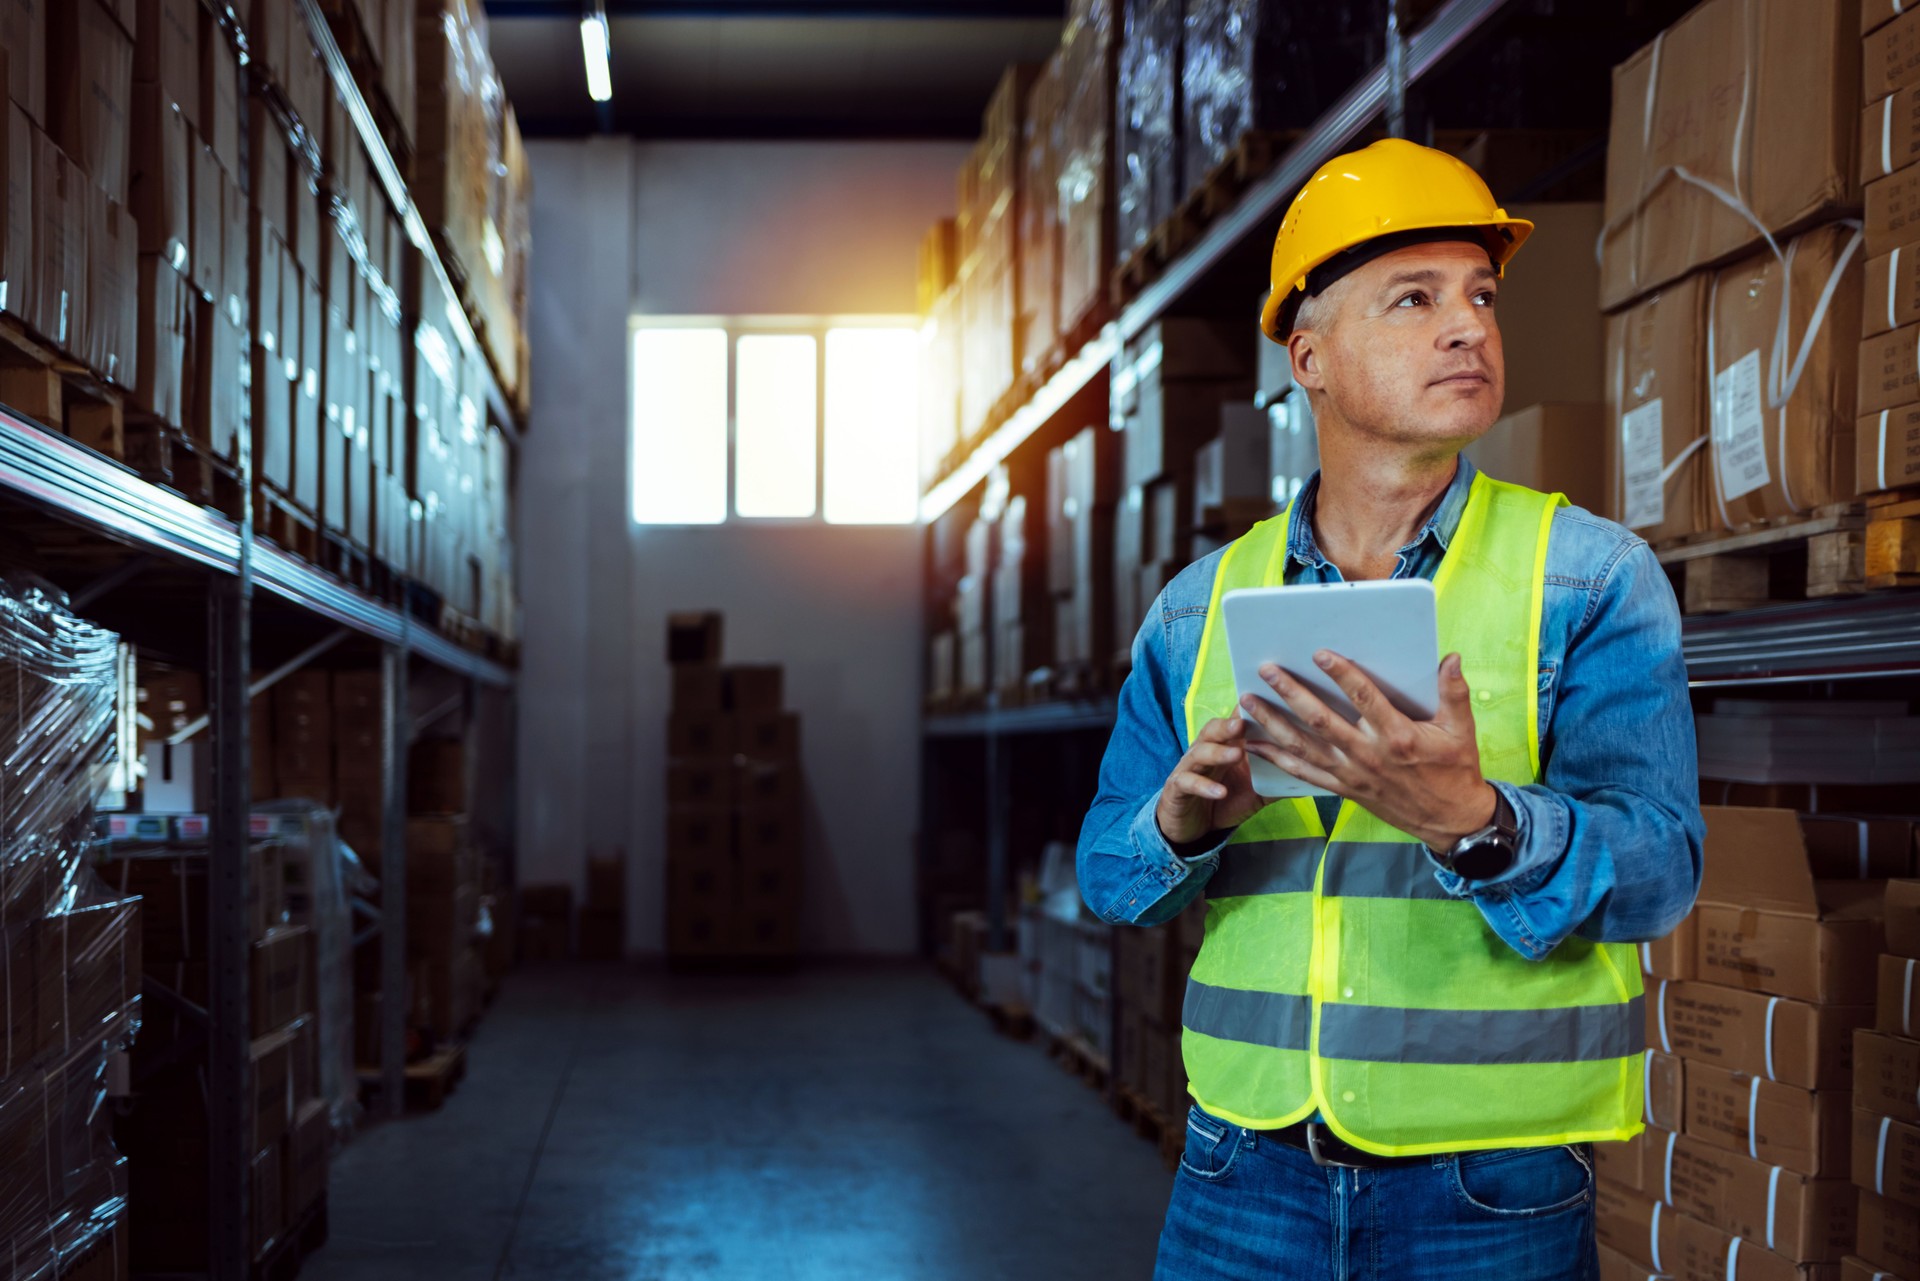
[[735, 328]]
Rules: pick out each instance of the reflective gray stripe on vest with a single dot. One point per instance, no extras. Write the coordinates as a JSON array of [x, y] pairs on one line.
[[1266, 867], [1380, 869], [1568, 1034], [1273, 1019], [1381, 1034]]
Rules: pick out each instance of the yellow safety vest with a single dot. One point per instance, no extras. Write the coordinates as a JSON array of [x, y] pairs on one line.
[[1338, 977]]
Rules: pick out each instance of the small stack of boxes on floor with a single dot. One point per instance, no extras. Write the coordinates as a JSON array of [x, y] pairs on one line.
[[1150, 982], [1886, 1100], [1068, 959], [546, 922], [164, 1134], [70, 998], [444, 969], [733, 829], [1752, 1006], [1168, 390], [1708, 431]]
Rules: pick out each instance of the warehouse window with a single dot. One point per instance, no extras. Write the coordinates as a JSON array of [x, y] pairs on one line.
[[774, 420]]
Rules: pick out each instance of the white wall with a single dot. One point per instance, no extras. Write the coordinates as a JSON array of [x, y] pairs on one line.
[[713, 229]]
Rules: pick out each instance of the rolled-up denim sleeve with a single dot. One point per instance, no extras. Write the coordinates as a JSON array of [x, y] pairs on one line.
[[1128, 873], [1610, 838]]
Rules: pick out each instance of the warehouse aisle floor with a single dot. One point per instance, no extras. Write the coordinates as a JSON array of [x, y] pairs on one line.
[[843, 1121]]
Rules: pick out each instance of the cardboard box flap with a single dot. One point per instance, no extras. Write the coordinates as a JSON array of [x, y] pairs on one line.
[[1757, 858], [1851, 900]]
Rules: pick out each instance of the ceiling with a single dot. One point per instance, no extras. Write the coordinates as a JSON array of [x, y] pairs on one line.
[[769, 68]]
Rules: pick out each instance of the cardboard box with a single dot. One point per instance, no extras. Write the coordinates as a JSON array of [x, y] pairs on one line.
[[270, 1072], [1801, 1130], [60, 242], [1886, 1157], [1903, 917], [1892, 291], [1656, 410], [440, 855], [1889, 1234], [305, 1176], [1664, 1090], [1887, 448], [278, 981], [1843, 847], [1889, 135], [1555, 448], [1788, 1041], [700, 735], [1621, 1164], [113, 293], [1802, 1218], [207, 258], [1892, 211], [754, 688], [17, 222], [437, 776], [1672, 956], [700, 781], [698, 689], [1754, 478], [768, 736], [1798, 64], [700, 833], [1898, 1011], [1887, 1075], [1768, 926], [162, 181], [1555, 354], [90, 90], [1636, 1225], [269, 35], [1702, 1252], [1890, 55], [167, 53], [219, 95], [267, 1198], [693, 638], [23, 33]]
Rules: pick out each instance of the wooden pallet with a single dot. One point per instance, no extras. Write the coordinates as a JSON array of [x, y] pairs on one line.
[[460, 629], [1143, 264], [1168, 1134], [1890, 551], [1785, 559], [1249, 159], [348, 563], [62, 394], [1080, 1059], [284, 522], [429, 1081]]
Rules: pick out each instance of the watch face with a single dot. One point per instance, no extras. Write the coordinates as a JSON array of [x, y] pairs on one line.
[[1484, 859]]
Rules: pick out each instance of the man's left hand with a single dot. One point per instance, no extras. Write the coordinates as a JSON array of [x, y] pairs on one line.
[[1422, 777]]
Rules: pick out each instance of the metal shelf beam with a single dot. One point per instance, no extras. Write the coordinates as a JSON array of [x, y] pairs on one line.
[[1841, 638], [1037, 718]]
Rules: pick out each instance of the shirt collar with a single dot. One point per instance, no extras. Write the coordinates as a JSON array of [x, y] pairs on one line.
[[1303, 549]]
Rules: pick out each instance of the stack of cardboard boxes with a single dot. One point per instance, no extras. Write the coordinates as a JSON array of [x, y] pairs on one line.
[[1018, 591], [940, 350], [734, 804], [1168, 389], [972, 646], [987, 229], [69, 949], [444, 885], [1713, 423], [1081, 487], [1146, 126], [1752, 1006], [1886, 1118], [1150, 983]]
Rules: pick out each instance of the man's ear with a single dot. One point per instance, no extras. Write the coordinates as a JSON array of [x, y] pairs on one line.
[[1304, 356]]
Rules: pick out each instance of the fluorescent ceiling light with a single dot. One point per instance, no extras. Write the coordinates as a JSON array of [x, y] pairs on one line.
[[593, 46]]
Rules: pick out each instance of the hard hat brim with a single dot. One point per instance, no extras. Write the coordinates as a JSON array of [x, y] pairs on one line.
[[1507, 235]]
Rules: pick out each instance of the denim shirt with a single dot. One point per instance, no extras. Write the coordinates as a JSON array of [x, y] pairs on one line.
[[1610, 838]]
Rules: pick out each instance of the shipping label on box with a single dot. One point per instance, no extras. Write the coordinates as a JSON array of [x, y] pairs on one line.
[[1789, 1041], [1886, 1157], [1889, 1234], [1801, 1130]]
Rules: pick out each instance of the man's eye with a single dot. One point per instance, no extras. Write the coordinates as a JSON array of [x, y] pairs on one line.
[[1485, 299], [1415, 299]]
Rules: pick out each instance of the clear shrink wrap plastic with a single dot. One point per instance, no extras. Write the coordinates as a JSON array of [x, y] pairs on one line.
[[318, 869], [69, 967], [1146, 119]]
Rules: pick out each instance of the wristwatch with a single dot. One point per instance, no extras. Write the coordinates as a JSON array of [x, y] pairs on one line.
[[1485, 854]]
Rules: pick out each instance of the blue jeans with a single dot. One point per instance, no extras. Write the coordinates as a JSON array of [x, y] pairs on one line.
[[1247, 1206]]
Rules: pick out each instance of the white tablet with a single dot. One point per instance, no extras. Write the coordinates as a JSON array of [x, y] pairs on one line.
[[1388, 627]]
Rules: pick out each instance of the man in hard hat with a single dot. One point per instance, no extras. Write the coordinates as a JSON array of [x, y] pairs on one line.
[[1417, 1004]]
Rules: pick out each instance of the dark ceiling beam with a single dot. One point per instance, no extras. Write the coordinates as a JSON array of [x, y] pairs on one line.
[[789, 9]]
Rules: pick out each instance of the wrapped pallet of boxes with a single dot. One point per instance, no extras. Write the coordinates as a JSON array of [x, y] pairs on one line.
[[988, 230], [1039, 224], [1742, 112], [69, 947], [1146, 131], [1083, 165]]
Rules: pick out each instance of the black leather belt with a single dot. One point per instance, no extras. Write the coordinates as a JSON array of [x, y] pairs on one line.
[[1328, 1148]]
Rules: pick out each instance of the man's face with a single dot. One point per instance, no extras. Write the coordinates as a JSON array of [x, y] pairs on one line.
[[1406, 349]]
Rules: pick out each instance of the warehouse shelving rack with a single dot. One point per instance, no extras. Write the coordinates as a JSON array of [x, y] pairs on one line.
[[1836, 639], [195, 587]]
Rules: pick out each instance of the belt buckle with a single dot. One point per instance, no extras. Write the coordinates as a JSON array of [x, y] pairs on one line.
[[1316, 1135]]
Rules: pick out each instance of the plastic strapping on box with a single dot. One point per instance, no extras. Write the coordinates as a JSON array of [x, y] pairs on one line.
[[1773, 1202], [1666, 1043], [1653, 1238], [1886, 136], [1646, 957], [1906, 1000], [1716, 414], [1753, 1118], [1673, 1137], [1733, 1259], [1893, 272], [1862, 825], [1646, 1087], [1880, 1159], [1881, 461], [1773, 1005]]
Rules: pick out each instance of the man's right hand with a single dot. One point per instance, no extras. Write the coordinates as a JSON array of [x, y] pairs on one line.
[[1211, 788]]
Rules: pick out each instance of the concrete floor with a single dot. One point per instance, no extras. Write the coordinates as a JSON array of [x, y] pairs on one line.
[[846, 1121]]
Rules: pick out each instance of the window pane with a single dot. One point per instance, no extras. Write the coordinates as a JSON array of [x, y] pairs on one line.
[[872, 425], [774, 407], [680, 426]]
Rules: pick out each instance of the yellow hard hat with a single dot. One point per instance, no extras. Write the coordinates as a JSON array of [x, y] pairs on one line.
[[1392, 189]]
